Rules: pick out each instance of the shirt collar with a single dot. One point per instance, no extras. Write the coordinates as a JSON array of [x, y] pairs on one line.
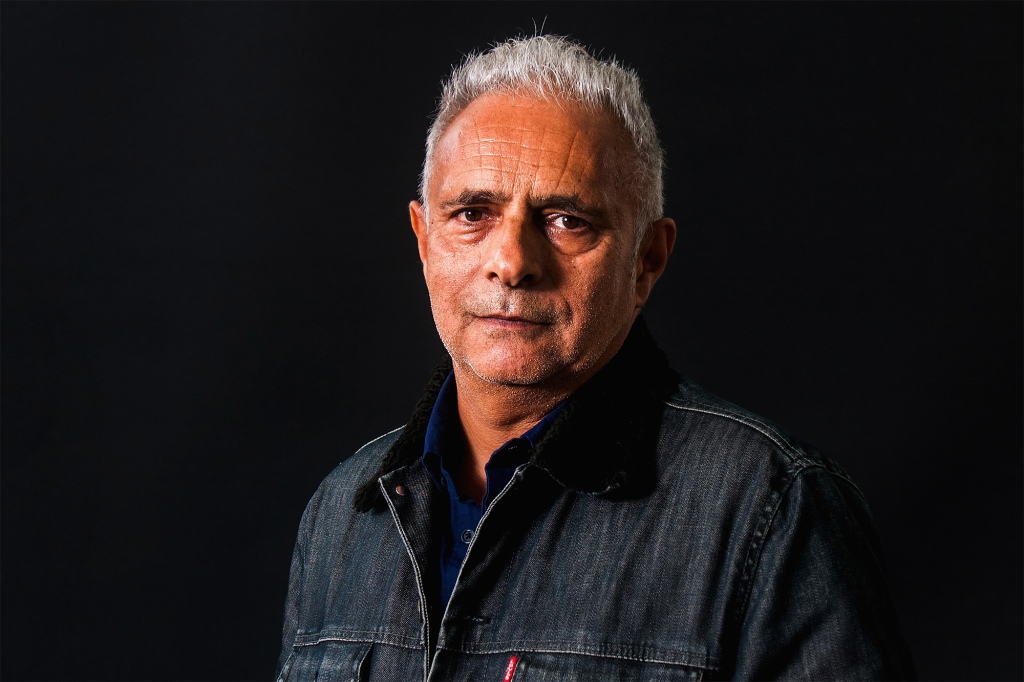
[[439, 440]]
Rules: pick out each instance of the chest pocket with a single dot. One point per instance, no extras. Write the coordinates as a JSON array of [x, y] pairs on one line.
[[328, 661], [549, 667]]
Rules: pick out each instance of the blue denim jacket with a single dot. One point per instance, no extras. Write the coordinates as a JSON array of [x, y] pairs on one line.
[[657, 533]]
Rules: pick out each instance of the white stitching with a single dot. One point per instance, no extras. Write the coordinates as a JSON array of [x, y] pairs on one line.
[[762, 428], [366, 445], [535, 647]]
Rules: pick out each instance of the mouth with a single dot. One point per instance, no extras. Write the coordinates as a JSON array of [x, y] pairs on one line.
[[512, 321]]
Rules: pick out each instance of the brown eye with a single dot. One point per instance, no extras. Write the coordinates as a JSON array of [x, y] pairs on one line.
[[472, 215], [569, 222]]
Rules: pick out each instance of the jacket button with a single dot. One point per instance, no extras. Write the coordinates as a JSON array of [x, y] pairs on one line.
[[400, 490], [467, 535]]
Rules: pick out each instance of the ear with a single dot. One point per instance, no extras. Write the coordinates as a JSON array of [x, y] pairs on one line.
[[418, 218], [653, 257]]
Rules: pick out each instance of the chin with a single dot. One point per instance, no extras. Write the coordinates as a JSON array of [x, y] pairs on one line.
[[514, 369]]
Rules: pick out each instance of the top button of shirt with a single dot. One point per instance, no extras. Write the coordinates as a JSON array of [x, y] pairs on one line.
[[467, 535]]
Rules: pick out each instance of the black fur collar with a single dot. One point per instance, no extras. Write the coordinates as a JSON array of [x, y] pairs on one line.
[[602, 442]]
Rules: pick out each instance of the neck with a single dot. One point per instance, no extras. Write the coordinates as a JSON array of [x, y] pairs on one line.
[[491, 415]]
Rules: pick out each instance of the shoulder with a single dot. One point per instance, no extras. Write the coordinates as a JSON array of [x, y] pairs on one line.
[[337, 491], [735, 457], [696, 413], [790, 529], [355, 469], [735, 464]]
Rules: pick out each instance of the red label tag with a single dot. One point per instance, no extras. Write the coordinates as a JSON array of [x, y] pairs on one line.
[[510, 669]]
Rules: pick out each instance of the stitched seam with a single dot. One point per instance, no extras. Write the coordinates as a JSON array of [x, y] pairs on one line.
[[416, 572], [530, 646], [752, 562], [358, 637], [794, 455], [368, 444], [762, 428]]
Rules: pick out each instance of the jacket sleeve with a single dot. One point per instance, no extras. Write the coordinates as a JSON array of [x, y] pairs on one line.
[[818, 607]]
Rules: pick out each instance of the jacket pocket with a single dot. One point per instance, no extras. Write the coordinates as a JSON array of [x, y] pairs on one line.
[[327, 660], [549, 667]]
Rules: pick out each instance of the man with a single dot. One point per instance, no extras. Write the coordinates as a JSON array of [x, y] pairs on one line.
[[561, 505]]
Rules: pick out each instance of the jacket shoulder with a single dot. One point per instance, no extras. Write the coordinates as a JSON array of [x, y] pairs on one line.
[[364, 461], [692, 403], [338, 488]]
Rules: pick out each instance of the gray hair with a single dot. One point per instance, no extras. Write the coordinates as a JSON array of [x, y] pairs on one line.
[[554, 67]]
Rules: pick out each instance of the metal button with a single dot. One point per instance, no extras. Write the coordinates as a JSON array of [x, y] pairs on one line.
[[467, 535], [400, 490]]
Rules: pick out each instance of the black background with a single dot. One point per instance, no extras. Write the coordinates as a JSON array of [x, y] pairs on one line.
[[211, 294]]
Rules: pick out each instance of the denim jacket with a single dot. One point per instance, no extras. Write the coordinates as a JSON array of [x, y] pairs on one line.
[[656, 533]]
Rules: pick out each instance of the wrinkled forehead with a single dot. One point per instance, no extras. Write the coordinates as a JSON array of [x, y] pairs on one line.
[[525, 146]]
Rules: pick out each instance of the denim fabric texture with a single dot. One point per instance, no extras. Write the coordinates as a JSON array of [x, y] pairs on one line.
[[657, 532]]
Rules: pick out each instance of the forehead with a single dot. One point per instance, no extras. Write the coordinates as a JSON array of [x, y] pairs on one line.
[[520, 145]]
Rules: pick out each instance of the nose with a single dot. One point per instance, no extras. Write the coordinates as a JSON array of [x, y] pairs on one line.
[[516, 253]]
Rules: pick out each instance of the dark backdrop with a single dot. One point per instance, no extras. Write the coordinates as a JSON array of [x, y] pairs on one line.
[[211, 294]]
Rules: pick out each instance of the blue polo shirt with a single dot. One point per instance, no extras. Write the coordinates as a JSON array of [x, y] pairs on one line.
[[440, 446]]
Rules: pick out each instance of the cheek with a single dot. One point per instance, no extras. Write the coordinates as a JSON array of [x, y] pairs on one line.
[[603, 289], [446, 253], [447, 274]]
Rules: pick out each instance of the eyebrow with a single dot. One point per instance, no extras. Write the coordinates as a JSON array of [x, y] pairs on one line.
[[471, 197], [569, 203]]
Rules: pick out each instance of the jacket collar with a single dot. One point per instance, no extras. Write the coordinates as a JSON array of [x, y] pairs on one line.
[[601, 443]]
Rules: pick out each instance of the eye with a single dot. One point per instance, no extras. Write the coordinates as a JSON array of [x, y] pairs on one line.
[[568, 222], [471, 215]]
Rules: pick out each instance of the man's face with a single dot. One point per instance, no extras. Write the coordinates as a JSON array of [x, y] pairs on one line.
[[527, 241]]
